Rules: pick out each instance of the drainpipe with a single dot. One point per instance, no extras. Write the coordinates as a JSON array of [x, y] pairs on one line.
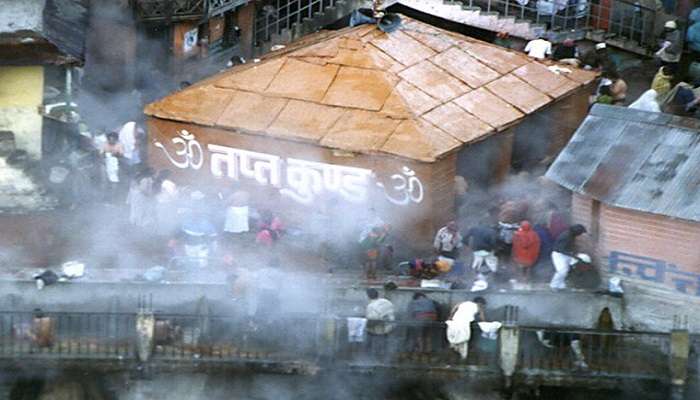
[[509, 347]]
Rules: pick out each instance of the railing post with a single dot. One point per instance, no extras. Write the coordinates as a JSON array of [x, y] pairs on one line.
[[329, 338], [145, 329], [680, 349], [509, 346]]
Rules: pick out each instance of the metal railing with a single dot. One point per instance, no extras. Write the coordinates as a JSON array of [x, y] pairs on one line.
[[625, 20], [613, 353], [279, 339], [410, 343], [67, 335], [273, 339], [181, 10], [281, 15]]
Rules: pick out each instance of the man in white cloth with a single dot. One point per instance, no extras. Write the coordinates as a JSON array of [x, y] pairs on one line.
[[380, 316], [459, 325], [539, 48], [128, 138]]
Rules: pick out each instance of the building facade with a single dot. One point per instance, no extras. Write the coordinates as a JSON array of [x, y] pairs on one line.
[[358, 122], [633, 177]]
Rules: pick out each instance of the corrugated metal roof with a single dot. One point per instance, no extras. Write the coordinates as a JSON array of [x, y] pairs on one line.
[[43, 32], [427, 90], [636, 160], [65, 25]]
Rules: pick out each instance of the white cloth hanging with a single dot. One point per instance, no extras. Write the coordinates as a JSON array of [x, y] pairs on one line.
[[356, 329], [127, 137]]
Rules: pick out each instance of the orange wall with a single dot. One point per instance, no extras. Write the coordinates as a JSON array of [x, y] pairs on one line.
[[633, 239]]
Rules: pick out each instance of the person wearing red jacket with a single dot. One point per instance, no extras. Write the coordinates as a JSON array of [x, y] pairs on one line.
[[526, 248]]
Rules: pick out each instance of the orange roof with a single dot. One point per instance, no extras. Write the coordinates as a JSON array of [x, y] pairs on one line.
[[419, 92]]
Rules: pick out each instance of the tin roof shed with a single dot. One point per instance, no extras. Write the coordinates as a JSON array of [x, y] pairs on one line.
[[635, 160], [419, 92]]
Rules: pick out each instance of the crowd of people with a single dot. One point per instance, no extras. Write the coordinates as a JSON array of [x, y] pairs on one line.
[[672, 90], [512, 250], [521, 240], [107, 172]]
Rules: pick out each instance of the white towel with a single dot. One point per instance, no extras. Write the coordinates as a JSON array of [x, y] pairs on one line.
[[356, 329], [73, 269], [127, 137], [489, 330], [236, 220], [112, 168]]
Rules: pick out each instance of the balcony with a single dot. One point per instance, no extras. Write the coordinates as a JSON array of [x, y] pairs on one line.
[[166, 11]]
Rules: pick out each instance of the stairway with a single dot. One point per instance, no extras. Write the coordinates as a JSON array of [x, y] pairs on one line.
[[627, 26], [621, 24], [473, 15], [286, 29]]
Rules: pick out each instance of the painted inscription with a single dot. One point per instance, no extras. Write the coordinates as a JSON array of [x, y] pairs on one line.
[[297, 179], [654, 270]]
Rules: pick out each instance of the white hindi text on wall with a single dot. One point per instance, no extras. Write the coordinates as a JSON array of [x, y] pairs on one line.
[[297, 179]]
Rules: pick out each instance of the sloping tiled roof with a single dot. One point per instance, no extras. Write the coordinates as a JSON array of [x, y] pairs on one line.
[[419, 92], [636, 160]]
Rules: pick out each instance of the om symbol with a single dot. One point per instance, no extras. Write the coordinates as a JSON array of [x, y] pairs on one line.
[[188, 151], [406, 187]]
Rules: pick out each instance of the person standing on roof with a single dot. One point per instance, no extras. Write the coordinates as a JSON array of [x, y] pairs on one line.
[[671, 45], [563, 255], [539, 48]]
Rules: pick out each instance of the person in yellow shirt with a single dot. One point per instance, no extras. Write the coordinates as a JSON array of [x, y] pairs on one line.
[[662, 80]]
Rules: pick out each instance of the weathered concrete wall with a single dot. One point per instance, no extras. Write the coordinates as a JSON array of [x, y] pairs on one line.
[[21, 15], [21, 93], [574, 309]]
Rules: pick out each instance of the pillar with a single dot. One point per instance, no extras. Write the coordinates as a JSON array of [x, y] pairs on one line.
[[329, 341], [246, 21], [680, 349], [145, 329], [508, 353]]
